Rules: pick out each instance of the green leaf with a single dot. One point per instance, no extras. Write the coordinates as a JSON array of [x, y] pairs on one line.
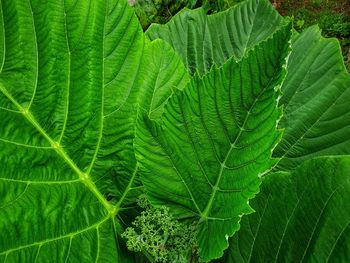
[[162, 72], [203, 40], [301, 216], [317, 86], [215, 138], [69, 90], [316, 95]]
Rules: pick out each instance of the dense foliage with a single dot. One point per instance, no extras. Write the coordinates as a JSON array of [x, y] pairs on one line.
[[332, 16], [161, 11], [219, 137]]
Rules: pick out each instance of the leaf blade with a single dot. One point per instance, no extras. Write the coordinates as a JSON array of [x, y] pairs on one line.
[[203, 41], [62, 73], [195, 161], [315, 92], [307, 212]]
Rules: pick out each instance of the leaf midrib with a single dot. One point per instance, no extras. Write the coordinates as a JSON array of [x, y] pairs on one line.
[[207, 209], [83, 177]]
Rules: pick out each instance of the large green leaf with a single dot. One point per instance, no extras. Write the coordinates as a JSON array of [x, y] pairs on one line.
[[301, 216], [317, 86], [215, 138], [316, 95], [203, 40], [69, 87]]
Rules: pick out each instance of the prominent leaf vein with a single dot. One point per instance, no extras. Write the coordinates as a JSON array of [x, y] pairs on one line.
[[3, 38], [6, 109], [258, 227], [69, 247], [193, 147], [101, 125], [36, 54], [68, 78], [98, 243], [288, 221], [223, 164], [59, 150], [40, 182], [84, 28], [37, 254], [26, 145], [317, 222], [69, 235], [336, 241], [17, 198], [182, 179], [310, 127]]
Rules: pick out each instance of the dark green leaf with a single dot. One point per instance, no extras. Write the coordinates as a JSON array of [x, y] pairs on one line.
[[316, 95], [203, 40], [301, 216]]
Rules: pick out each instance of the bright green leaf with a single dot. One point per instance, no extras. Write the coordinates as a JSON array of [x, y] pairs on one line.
[[69, 91], [215, 138]]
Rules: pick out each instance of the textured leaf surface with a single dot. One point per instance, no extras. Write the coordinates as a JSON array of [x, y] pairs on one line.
[[215, 139], [69, 87], [316, 95], [317, 86], [203, 40], [162, 72], [300, 217]]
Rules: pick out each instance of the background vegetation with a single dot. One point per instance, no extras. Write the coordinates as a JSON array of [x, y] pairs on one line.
[[333, 16]]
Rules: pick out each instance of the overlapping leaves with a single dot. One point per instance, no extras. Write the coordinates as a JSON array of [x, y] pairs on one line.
[[76, 76], [69, 85], [204, 159], [316, 88], [315, 95]]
